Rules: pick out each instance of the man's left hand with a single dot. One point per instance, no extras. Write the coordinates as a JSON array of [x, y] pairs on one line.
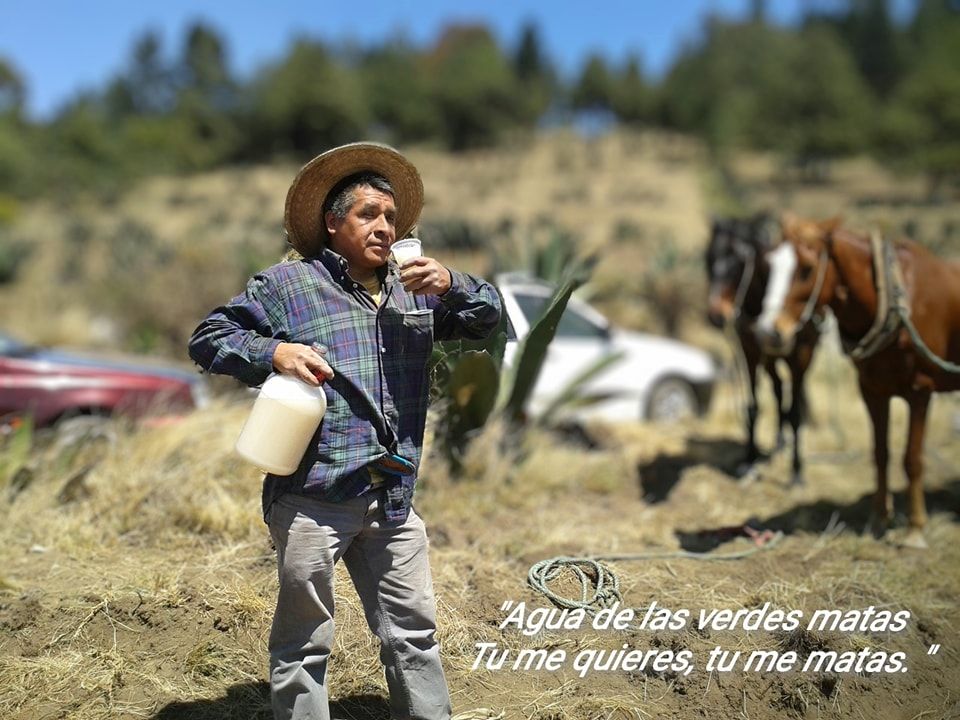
[[425, 276]]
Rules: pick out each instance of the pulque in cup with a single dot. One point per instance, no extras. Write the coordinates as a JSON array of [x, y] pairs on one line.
[[406, 250]]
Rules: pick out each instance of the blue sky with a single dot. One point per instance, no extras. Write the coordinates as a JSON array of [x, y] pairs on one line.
[[61, 47]]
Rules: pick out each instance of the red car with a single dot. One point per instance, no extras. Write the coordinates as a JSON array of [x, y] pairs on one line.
[[50, 385]]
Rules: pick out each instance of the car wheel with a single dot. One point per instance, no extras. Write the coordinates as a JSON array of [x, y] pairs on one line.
[[671, 400]]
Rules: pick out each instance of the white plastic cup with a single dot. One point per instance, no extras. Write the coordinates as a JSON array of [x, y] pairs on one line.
[[284, 418], [406, 250]]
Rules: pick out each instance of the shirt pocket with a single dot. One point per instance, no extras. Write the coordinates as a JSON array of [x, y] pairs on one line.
[[417, 331]]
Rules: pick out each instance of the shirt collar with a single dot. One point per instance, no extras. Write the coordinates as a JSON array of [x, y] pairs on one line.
[[338, 268], [335, 264]]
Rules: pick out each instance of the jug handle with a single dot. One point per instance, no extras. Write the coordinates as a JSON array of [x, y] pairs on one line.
[[322, 351]]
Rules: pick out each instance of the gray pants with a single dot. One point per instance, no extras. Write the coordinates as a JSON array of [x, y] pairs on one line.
[[391, 572]]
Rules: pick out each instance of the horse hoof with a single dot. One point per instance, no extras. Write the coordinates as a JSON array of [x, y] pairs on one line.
[[876, 528], [746, 473], [915, 540]]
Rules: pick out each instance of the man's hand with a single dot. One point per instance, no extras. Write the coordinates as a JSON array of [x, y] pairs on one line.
[[301, 361], [425, 276]]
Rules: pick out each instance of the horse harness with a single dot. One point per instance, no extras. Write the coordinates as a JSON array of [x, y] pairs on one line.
[[893, 310], [892, 305]]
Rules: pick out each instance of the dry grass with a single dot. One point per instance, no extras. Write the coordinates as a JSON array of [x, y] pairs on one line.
[[153, 590], [143, 587]]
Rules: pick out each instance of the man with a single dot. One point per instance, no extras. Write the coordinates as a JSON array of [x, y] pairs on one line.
[[350, 496]]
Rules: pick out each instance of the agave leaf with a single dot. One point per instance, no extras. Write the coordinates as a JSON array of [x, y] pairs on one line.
[[521, 377], [15, 451], [473, 389], [469, 395], [573, 395]]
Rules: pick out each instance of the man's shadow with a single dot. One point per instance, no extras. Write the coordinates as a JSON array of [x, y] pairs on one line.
[[251, 701]]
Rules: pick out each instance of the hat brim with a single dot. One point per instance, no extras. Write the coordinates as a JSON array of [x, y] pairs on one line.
[[302, 219]]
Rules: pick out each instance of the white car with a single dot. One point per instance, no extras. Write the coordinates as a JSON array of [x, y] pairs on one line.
[[655, 379]]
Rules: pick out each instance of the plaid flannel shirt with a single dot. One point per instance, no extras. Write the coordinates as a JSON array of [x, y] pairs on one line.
[[377, 401]]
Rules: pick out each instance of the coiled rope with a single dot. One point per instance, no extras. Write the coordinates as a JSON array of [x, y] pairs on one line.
[[600, 586], [589, 571]]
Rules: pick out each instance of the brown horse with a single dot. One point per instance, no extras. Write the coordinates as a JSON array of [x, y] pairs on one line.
[[897, 308], [737, 271]]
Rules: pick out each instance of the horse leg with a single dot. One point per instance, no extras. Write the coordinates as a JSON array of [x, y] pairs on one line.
[[799, 362], [879, 409], [771, 367], [913, 466], [798, 403], [752, 357]]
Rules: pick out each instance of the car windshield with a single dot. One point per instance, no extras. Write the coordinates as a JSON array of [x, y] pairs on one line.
[[573, 324]]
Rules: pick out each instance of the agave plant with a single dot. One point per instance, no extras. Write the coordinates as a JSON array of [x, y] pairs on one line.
[[472, 384], [16, 446], [519, 379]]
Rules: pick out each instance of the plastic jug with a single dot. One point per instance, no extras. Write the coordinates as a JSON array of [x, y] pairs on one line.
[[284, 417]]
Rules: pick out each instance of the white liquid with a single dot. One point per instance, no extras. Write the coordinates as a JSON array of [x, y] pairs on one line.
[[404, 251], [277, 433]]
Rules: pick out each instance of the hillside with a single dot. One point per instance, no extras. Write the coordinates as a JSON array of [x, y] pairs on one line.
[[121, 271]]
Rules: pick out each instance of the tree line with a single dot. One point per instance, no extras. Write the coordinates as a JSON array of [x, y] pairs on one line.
[[846, 81]]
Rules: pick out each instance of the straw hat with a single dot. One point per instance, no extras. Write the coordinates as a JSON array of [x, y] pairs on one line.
[[302, 219]]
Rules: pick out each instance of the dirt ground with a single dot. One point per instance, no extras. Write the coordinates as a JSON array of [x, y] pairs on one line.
[[148, 591]]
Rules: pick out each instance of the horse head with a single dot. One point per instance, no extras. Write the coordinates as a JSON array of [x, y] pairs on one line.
[[733, 253], [801, 282]]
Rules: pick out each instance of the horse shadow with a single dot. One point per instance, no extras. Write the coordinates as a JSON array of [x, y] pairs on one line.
[[658, 477], [251, 701], [817, 516]]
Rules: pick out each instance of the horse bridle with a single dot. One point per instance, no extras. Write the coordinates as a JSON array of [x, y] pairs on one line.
[[811, 305], [746, 277]]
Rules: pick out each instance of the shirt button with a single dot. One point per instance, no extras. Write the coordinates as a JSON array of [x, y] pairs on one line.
[[383, 349]]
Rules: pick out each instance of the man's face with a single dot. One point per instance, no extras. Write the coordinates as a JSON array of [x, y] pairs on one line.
[[365, 235]]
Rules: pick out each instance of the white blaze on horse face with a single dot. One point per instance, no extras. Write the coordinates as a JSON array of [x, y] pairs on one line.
[[783, 261]]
